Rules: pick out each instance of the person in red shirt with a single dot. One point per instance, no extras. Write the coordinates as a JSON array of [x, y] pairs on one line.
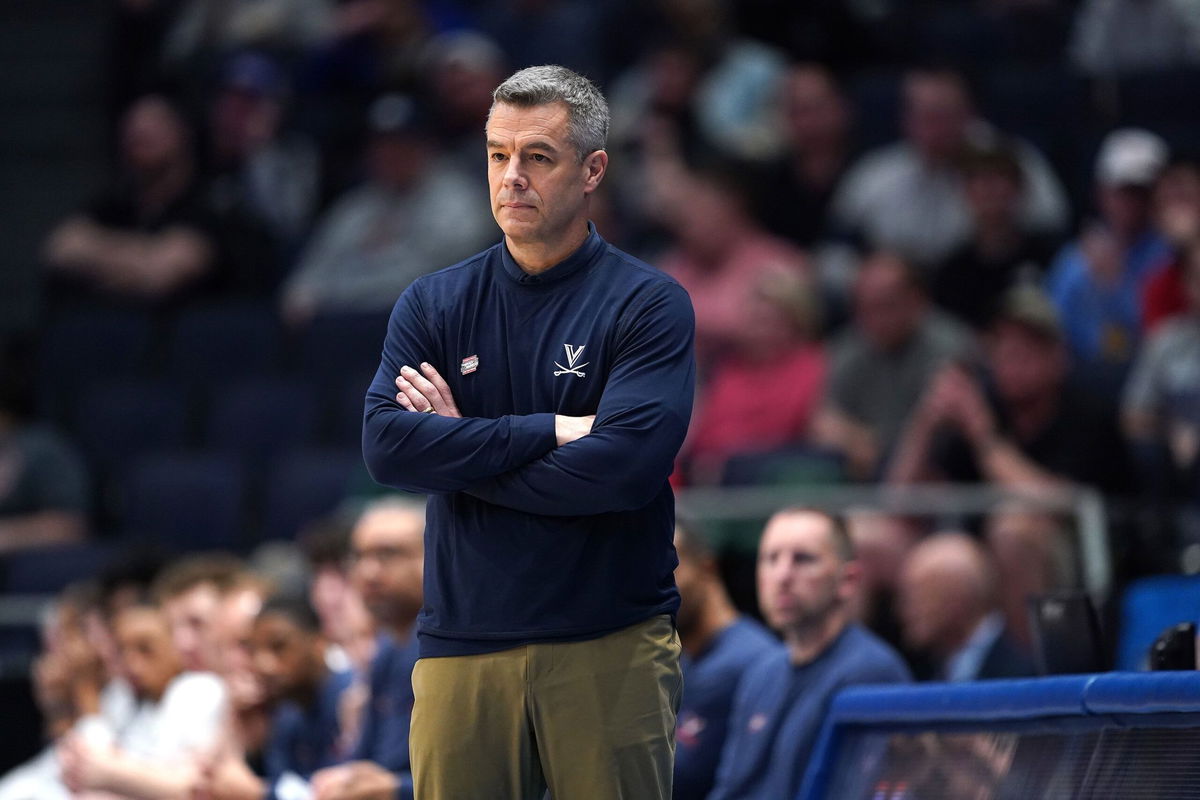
[[1177, 215]]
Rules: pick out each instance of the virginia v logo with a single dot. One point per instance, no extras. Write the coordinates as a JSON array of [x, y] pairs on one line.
[[572, 368]]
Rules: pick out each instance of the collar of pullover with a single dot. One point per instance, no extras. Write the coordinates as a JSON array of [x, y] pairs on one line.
[[584, 255]]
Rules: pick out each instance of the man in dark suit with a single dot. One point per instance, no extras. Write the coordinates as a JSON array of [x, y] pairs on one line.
[[950, 611]]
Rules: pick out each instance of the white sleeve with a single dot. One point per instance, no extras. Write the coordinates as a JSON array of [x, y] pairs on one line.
[[191, 717]]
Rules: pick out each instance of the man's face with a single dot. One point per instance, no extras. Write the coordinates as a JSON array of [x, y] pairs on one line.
[[152, 136], [234, 636], [191, 616], [815, 113], [1024, 365], [538, 185], [887, 309], [387, 556], [801, 578], [148, 657], [936, 113], [286, 658]]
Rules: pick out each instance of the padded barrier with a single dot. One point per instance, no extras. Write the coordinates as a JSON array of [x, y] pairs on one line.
[[864, 722]]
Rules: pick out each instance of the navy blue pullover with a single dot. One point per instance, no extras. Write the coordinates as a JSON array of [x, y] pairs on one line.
[[525, 541]]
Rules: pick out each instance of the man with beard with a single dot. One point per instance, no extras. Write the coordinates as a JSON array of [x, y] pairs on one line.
[[806, 579]]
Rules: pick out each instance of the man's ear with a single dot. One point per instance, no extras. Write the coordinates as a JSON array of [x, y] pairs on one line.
[[596, 164]]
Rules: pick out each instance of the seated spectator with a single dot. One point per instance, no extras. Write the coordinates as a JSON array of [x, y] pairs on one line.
[[1034, 556], [179, 716], [794, 192], [326, 547], [1034, 430], [908, 197], [778, 356], [233, 629], [387, 553], [719, 645], [1161, 405], [417, 212], [150, 239], [262, 180], [1177, 217], [201, 27], [44, 494], [1117, 37], [950, 610], [999, 252], [881, 364], [721, 255], [289, 660], [806, 581], [1097, 281], [189, 593], [462, 69], [881, 542]]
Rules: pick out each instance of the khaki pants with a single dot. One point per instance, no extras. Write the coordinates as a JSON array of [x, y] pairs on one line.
[[593, 719]]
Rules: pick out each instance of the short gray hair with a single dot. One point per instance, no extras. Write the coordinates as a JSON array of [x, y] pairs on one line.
[[587, 110]]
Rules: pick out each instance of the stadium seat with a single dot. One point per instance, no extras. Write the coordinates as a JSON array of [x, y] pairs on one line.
[[223, 342], [335, 348], [185, 501], [84, 347], [47, 570], [122, 419], [1150, 606], [256, 419], [304, 485]]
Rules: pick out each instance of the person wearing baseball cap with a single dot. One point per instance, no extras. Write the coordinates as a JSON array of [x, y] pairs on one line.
[[1097, 281]]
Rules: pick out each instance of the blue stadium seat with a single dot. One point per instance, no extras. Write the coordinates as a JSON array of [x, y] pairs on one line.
[[84, 347], [185, 501], [256, 419], [336, 348], [122, 419], [47, 570], [224, 342], [305, 485], [1150, 606]]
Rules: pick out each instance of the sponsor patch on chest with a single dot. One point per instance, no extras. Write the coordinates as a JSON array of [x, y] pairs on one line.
[[469, 365]]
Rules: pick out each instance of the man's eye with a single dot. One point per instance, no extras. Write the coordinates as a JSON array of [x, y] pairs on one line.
[[539, 158], [497, 156]]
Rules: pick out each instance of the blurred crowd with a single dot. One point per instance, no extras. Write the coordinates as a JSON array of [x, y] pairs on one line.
[[925, 241]]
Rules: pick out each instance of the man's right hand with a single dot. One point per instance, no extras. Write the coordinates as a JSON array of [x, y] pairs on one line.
[[568, 429]]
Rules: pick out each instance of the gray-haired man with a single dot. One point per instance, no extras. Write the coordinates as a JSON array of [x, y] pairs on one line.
[[545, 387]]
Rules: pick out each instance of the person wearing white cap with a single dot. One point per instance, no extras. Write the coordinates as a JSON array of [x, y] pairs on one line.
[[1097, 280]]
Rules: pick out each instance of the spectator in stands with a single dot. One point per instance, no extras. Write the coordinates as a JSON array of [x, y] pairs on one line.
[[1116, 37], [462, 69], [150, 239], [881, 542], [288, 652], [719, 645], [1097, 281], [157, 754], [326, 546], [1177, 217], [777, 353], [387, 553], [795, 190], [806, 581], [721, 255], [201, 28], [881, 364], [1161, 405], [949, 609], [189, 593], [908, 197], [262, 180], [44, 494], [1033, 555], [1037, 430], [234, 625], [416, 213], [1000, 251]]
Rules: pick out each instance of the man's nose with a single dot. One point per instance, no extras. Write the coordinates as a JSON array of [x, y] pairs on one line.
[[514, 176]]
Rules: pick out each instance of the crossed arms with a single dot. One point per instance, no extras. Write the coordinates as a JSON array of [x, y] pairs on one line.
[[539, 463]]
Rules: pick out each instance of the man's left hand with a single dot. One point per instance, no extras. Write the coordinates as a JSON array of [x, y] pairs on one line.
[[425, 391]]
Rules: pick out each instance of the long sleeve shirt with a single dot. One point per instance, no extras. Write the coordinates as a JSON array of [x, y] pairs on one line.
[[526, 541]]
